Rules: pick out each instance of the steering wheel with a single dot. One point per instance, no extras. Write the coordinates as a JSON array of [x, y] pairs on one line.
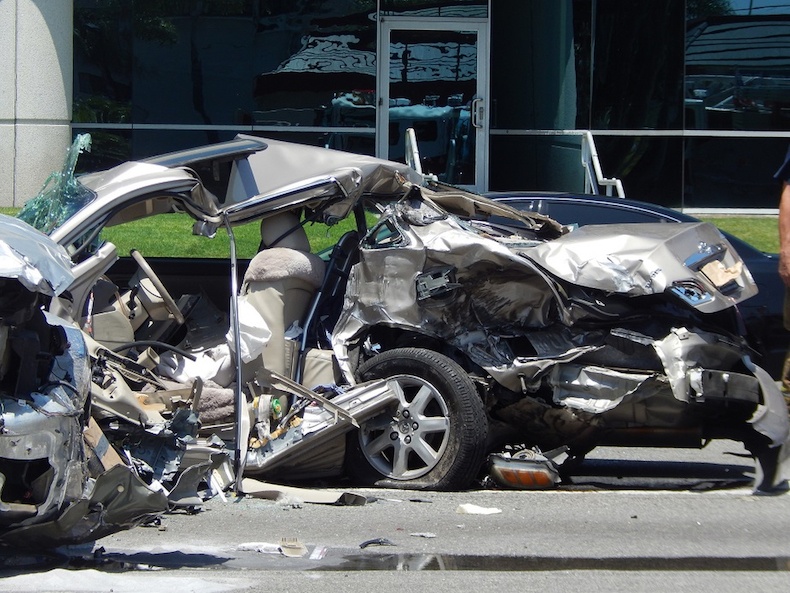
[[170, 303]]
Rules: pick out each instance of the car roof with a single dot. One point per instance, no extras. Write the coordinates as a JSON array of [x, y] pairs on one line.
[[603, 201]]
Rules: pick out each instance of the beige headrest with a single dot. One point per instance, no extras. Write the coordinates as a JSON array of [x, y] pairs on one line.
[[274, 227]]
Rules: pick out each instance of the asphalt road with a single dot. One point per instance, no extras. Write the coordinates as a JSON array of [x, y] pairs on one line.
[[633, 520]]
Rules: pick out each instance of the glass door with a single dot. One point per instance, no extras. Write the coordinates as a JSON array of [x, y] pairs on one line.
[[431, 78]]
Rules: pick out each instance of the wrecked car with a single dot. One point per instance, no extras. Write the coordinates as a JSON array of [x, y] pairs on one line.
[[439, 329], [762, 314], [56, 483]]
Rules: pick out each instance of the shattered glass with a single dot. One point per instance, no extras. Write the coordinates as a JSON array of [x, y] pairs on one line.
[[62, 194]]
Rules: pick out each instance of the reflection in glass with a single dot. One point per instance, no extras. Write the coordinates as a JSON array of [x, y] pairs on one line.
[[102, 62], [637, 64], [650, 167], [441, 8], [433, 82], [234, 62], [318, 66], [536, 162], [737, 66], [108, 148], [362, 143], [328, 81], [732, 172]]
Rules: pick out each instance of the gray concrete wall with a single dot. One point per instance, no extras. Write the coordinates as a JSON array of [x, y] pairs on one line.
[[35, 94]]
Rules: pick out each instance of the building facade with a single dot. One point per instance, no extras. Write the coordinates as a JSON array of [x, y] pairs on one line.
[[688, 100]]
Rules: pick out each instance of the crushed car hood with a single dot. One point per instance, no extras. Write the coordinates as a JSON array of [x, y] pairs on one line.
[[694, 260]]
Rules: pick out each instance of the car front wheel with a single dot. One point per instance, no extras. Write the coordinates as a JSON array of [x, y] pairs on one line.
[[434, 437]]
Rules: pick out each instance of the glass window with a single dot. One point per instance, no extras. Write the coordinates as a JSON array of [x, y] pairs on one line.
[[536, 162], [733, 172], [194, 62], [358, 143], [445, 8], [236, 62], [737, 65], [587, 64], [108, 148], [536, 82], [650, 167], [317, 67], [102, 62], [582, 60], [637, 64]]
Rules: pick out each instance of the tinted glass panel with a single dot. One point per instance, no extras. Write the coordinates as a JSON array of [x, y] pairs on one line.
[[102, 62], [536, 80], [236, 62], [733, 172], [638, 63], [582, 59], [445, 8], [108, 148], [650, 167], [317, 65], [738, 65], [536, 162], [587, 64]]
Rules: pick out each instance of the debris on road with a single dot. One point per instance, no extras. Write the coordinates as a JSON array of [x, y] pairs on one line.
[[473, 509]]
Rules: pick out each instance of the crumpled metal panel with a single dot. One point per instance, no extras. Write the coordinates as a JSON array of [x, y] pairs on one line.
[[284, 165], [771, 418], [45, 427], [474, 291], [595, 389], [525, 373], [47, 496], [646, 258], [683, 351], [31, 257], [491, 289], [120, 186], [117, 500]]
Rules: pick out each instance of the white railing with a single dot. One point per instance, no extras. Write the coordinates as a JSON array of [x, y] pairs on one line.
[[591, 164], [593, 176]]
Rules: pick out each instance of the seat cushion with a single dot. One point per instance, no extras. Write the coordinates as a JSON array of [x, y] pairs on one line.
[[280, 263]]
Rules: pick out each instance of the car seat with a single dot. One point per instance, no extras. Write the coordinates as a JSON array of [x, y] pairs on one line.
[[279, 283]]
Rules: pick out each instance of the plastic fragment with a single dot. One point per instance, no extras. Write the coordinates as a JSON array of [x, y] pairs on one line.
[[292, 547], [473, 509], [378, 541]]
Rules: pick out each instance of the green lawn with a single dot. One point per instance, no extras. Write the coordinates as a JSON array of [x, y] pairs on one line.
[[760, 231], [170, 234]]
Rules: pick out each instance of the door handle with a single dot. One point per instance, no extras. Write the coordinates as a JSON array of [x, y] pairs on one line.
[[478, 112]]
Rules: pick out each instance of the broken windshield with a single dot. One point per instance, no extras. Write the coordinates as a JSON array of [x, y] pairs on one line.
[[62, 194]]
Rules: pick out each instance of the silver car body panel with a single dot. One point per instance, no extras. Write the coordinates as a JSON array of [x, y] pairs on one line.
[[31, 257], [48, 495], [650, 258]]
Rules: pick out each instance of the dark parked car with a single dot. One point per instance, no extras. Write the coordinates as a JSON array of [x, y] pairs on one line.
[[762, 314]]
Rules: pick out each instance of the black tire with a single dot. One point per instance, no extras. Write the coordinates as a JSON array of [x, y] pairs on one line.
[[435, 439]]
